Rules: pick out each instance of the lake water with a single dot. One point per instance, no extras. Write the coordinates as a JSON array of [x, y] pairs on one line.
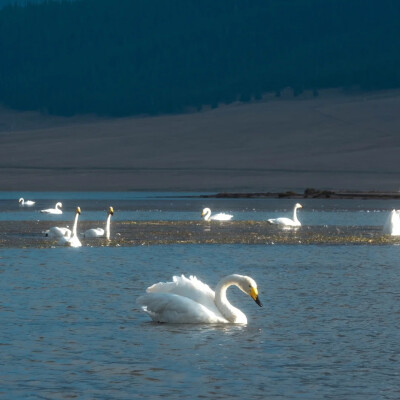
[[329, 328]]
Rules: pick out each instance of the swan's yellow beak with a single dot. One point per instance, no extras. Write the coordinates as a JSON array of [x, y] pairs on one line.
[[202, 213], [78, 210], [254, 295], [111, 211]]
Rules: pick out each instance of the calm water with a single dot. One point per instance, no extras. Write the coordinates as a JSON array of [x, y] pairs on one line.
[[329, 328]]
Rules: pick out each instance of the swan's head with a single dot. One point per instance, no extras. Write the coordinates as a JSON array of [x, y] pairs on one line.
[[59, 205], [78, 210], [111, 211], [205, 211], [249, 286], [298, 205], [21, 200]]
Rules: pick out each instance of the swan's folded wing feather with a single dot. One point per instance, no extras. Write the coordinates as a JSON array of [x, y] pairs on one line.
[[56, 232], [94, 232], [191, 287], [222, 217], [172, 308], [281, 221]]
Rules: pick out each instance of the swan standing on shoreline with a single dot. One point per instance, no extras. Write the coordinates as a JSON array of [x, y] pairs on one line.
[[206, 214], [71, 239], [55, 210], [28, 203], [392, 224], [283, 221], [190, 301], [99, 232]]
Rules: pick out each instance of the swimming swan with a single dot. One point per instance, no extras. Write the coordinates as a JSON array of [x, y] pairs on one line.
[[22, 202], [392, 224], [206, 214], [56, 232], [99, 232], [190, 301], [72, 238], [55, 210], [287, 221]]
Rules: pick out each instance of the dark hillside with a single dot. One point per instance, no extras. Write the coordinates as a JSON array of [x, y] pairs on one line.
[[132, 57]]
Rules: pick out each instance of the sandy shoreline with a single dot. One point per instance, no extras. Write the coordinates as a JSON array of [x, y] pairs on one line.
[[334, 141]]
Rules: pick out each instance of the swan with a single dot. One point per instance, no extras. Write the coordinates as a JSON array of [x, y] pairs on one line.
[[55, 210], [71, 238], [190, 301], [287, 221], [23, 202], [392, 224], [206, 214], [99, 232], [56, 232]]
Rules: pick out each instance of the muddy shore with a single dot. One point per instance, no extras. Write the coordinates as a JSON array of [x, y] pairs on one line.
[[26, 234]]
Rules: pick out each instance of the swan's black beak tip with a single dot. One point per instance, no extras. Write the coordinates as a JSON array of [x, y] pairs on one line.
[[257, 300]]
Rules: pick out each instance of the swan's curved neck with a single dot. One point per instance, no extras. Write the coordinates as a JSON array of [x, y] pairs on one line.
[[108, 226], [295, 215], [75, 224], [231, 313], [207, 215]]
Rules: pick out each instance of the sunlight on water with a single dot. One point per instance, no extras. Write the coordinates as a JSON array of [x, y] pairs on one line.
[[329, 327]]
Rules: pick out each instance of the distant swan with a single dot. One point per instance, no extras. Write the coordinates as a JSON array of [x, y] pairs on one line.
[[71, 239], [392, 224], [206, 214], [190, 301], [56, 232], [22, 202], [282, 221], [99, 232], [55, 210]]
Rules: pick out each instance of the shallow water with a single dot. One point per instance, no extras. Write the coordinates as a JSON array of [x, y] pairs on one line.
[[329, 327]]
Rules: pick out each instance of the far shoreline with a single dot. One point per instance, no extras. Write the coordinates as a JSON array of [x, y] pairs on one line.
[[309, 194]]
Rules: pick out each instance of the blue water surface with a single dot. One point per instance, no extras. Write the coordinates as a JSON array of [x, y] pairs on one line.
[[70, 326], [187, 206], [329, 327]]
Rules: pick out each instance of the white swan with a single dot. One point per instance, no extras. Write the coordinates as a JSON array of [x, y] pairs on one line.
[[99, 232], [287, 221], [190, 301], [55, 210], [71, 239], [56, 232], [206, 214], [392, 224], [28, 203]]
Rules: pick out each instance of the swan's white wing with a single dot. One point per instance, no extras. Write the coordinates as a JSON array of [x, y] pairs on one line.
[[94, 232], [51, 211], [282, 221], [72, 242], [75, 242], [191, 287], [222, 217], [56, 232], [172, 308]]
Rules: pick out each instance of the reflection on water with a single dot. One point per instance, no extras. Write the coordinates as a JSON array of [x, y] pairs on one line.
[[329, 328]]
